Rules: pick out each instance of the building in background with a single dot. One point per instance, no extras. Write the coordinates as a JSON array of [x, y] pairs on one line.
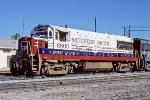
[[7, 49]]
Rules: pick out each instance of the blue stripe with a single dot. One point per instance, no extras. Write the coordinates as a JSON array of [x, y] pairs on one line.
[[82, 53]]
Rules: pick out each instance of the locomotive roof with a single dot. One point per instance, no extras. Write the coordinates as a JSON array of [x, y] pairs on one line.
[[64, 29]]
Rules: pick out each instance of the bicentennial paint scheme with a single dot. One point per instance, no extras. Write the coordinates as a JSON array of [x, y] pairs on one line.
[[53, 50]]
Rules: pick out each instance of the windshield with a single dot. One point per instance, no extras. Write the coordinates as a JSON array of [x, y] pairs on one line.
[[42, 34]]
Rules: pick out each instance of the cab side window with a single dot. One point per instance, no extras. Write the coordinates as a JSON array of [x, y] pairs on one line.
[[56, 35], [63, 36], [50, 34]]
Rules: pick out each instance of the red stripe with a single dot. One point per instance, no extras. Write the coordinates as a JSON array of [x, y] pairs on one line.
[[90, 58]]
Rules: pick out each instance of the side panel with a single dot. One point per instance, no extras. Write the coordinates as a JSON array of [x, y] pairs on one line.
[[89, 58], [86, 41], [92, 41], [98, 66], [80, 55]]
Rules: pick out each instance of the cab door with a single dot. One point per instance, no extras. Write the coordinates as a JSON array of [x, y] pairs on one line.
[[50, 39], [25, 47]]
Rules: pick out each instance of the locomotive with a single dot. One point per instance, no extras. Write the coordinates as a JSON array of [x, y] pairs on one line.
[[56, 50]]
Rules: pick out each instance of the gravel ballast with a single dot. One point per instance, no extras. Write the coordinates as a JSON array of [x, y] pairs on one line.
[[136, 89]]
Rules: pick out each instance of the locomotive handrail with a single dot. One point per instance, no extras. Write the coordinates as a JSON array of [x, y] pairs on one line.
[[30, 48], [125, 45], [119, 47], [136, 54], [39, 64]]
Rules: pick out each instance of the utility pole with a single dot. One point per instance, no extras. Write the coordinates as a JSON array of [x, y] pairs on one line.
[[129, 31], [95, 24], [124, 30], [23, 27]]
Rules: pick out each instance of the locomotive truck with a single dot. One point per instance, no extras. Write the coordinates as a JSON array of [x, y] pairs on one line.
[[55, 50]]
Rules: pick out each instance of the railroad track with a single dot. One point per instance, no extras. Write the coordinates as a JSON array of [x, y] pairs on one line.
[[45, 83]]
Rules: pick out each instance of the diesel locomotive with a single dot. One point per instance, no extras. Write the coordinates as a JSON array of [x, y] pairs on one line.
[[55, 50]]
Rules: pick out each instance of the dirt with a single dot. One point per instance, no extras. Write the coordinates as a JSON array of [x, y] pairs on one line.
[[114, 90]]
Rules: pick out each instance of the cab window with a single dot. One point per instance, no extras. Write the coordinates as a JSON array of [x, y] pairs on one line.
[[62, 36], [56, 35], [50, 34]]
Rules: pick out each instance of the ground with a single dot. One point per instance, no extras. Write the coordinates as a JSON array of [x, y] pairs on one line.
[[137, 89]]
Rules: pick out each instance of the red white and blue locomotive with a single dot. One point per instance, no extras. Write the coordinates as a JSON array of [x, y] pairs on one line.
[[53, 50]]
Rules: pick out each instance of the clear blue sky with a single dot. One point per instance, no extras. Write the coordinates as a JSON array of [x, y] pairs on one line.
[[111, 15]]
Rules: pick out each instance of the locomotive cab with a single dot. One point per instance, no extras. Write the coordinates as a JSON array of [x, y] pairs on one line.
[[52, 36], [45, 33]]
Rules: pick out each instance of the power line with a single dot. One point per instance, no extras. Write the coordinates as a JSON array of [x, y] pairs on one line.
[[139, 30], [129, 29], [140, 27]]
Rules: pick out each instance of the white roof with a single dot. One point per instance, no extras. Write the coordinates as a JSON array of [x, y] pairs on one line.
[[63, 29], [8, 44]]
